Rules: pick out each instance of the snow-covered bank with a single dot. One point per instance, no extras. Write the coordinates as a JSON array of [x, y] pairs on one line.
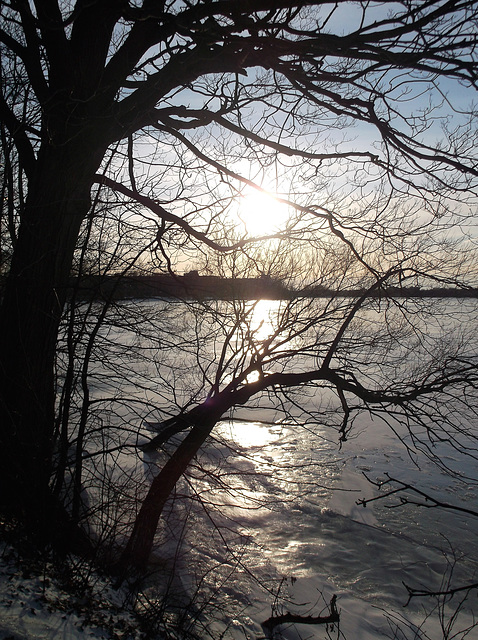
[[39, 602], [300, 540]]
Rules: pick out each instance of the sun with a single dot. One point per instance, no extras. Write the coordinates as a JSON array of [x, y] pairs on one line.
[[262, 213]]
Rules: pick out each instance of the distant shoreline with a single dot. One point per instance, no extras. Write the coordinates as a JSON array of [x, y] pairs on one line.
[[193, 286]]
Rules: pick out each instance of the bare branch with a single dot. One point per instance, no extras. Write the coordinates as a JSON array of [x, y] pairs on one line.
[[165, 215], [428, 502]]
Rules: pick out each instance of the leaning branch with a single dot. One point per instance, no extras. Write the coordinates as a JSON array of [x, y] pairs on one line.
[[237, 394]]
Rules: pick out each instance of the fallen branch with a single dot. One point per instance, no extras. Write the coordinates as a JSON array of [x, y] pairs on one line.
[[274, 621], [420, 593], [428, 501]]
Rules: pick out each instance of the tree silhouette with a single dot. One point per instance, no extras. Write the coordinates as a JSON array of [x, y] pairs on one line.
[[174, 110]]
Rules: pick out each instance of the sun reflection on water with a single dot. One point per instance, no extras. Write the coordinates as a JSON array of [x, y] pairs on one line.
[[264, 318], [249, 434]]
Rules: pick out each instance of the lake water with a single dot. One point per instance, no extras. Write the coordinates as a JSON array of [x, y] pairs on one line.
[[267, 518]]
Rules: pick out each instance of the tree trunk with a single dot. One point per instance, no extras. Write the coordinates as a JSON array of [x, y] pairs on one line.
[[138, 549], [58, 199]]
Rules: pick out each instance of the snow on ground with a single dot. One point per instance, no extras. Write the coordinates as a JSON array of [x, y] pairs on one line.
[[34, 606], [324, 545]]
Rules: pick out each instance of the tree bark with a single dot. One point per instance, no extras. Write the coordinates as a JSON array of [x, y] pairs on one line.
[[35, 292]]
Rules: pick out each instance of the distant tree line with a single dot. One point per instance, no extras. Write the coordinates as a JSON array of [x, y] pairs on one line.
[[191, 285]]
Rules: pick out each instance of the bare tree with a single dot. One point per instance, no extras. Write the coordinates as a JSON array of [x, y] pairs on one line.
[[178, 109]]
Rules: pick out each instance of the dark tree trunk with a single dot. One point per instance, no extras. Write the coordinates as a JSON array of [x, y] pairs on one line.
[[58, 200], [138, 549]]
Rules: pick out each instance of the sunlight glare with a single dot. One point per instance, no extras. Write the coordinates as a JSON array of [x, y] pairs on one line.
[[249, 434], [261, 213], [264, 318]]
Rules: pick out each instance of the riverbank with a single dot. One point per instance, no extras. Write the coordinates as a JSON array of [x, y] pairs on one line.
[[194, 286]]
